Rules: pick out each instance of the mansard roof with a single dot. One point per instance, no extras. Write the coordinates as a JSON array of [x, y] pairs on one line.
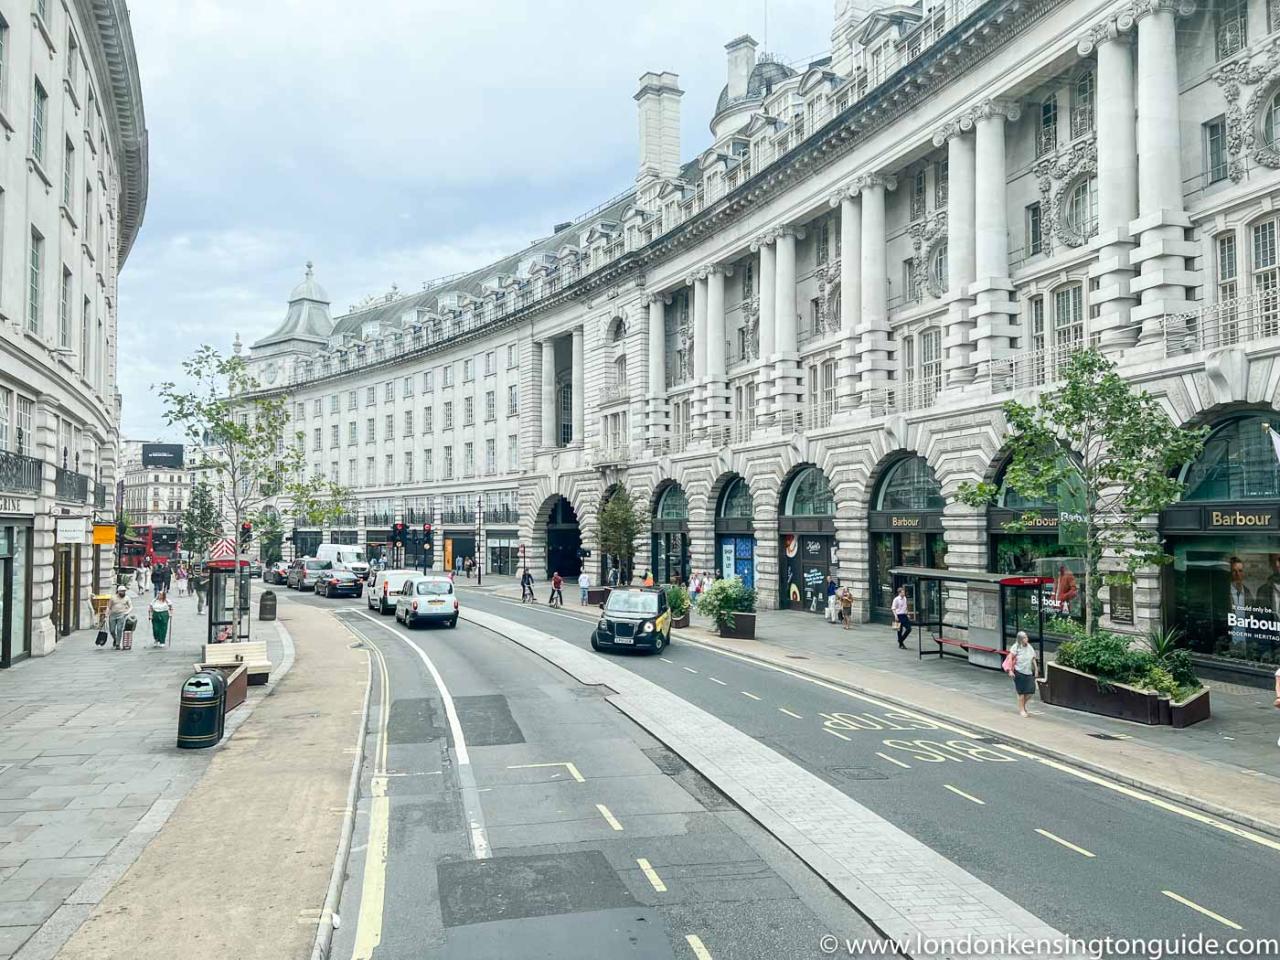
[[307, 319]]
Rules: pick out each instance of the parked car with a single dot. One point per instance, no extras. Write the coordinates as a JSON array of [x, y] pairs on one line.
[[384, 585], [255, 568], [304, 571], [427, 599], [277, 572], [337, 583], [633, 617]]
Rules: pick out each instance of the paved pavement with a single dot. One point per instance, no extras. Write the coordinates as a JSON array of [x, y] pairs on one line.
[[89, 773], [1088, 856]]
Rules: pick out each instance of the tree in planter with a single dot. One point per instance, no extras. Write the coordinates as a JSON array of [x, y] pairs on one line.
[[245, 448], [201, 522], [1124, 449], [724, 598], [619, 524], [677, 600]]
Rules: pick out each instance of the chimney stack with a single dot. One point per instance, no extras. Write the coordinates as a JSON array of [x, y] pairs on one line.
[[659, 98], [742, 59]]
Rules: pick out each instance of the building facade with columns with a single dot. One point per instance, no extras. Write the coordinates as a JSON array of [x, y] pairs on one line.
[[794, 348], [73, 189]]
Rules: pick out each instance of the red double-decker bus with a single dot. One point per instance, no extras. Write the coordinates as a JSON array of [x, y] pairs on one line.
[[148, 542]]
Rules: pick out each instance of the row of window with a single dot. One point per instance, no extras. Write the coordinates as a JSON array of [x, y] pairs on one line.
[[408, 461], [427, 424]]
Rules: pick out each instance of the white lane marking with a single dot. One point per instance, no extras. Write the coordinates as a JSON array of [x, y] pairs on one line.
[[466, 775], [836, 733], [1066, 843], [573, 771], [714, 680], [654, 880], [609, 817], [968, 796], [789, 713], [665, 660], [751, 695], [695, 944], [690, 669], [885, 756], [1205, 910]]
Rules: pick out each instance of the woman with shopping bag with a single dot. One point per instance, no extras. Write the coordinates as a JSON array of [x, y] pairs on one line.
[[1021, 664]]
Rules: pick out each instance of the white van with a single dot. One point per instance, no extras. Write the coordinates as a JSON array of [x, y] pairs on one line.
[[345, 556]]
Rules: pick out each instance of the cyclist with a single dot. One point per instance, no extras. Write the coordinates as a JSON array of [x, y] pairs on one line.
[[557, 598], [526, 587]]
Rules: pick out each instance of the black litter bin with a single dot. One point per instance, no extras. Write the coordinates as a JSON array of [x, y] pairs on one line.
[[201, 710], [267, 605]]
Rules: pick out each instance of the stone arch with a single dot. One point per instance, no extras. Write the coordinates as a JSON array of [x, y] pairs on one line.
[[735, 538]]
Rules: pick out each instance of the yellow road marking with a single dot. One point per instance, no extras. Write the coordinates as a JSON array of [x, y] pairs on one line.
[[789, 713], [609, 817], [837, 733], [652, 874], [885, 756], [695, 944], [714, 680], [1205, 910], [573, 771], [1066, 843], [751, 695], [374, 886], [968, 796]]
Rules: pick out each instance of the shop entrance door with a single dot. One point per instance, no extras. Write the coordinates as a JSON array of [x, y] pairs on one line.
[[62, 590]]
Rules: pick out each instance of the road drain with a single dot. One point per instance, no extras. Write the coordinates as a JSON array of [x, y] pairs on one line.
[[859, 773]]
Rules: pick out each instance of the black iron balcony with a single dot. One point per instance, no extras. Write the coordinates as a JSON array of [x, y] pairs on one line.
[[100, 496], [502, 514], [19, 473], [458, 516], [70, 485]]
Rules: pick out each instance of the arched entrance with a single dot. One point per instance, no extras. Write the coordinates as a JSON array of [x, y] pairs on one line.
[[1223, 587], [906, 528], [564, 540], [670, 541], [807, 528], [615, 559], [735, 532]]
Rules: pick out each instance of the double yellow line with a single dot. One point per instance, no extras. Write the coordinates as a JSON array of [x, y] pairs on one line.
[[374, 887]]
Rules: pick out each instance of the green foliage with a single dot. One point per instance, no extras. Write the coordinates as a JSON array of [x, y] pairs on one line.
[[720, 601], [1110, 657], [619, 526], [1163, 641], [677, 600], [124, 526], [201, 522], [1123, 451]]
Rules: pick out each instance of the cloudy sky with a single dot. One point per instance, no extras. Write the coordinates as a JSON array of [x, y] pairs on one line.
[[390, 141]]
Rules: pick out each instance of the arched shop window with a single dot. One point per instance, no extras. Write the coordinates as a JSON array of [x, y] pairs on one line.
[[1223, 587], [736, 502], [809, 495], [909, 485], [735, 532], [906, 529], [673, 504], [670, 536]]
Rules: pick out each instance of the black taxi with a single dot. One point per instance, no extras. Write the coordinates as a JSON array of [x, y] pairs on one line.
[[633, 617]]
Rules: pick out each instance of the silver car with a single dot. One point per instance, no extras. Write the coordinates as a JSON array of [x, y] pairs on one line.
[[428, 599], [384, 586]]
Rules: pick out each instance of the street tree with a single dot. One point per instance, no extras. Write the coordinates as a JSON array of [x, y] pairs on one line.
[[201, 522], [619, 523], [1122, 453], [247, 449]]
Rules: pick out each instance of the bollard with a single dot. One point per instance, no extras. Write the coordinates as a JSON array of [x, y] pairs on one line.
[[267, 605]]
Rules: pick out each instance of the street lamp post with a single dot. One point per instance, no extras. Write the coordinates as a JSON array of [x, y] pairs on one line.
[[479, 539]]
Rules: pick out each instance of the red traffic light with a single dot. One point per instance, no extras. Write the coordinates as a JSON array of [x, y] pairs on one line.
[[246, 526]]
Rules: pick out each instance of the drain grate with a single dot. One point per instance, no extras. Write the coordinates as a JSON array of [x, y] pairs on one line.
[[859, 773], [796, 656], [986, 739], [1111, 736]]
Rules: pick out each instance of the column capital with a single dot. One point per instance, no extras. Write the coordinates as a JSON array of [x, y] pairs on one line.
[[791, 230], [955, 127], [1144, 8], [660, 297], [848, 191], [868, 180], [991, 109], [1105, 31], [763, 239], [696, 275]]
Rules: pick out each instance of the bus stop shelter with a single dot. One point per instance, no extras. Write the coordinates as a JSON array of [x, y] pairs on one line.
[[973, 615]]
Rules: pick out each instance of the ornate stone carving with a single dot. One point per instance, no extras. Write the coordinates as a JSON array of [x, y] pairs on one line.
[[828, 297], [885, 180], [1011, 110], [953, 128], [1054, 173], [925, 235], [751, 327], [1258, 70]]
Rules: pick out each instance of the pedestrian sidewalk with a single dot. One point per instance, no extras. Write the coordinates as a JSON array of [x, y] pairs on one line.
[[1228, 766], [89, 769]]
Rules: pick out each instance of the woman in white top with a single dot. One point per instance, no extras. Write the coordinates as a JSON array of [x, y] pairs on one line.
[[900, 616], [161, 614], [1023, 669]]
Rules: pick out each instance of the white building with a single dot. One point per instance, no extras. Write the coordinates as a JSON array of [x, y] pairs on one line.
[[795, 346], [73, 188], [157, 484]]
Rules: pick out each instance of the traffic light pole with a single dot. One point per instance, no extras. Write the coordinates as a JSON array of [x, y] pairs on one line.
[[479, 539]]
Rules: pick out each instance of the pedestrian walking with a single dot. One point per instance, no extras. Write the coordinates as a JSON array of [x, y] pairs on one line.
[[180, 575], [157, 580], [139, 579], [832, 608], [118, 611], [166, 570], [584, 584], [526, 587], [1022, 664], [200, 584], [901, 617], [613, 576], [471, 565], [557, 583], [161, 614], [648, 579], [844, 599]]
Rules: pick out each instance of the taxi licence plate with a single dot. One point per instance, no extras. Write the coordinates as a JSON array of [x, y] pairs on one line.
[[624, 640], [435, 603]]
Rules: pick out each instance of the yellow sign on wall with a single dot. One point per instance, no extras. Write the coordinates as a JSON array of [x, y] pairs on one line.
[[104, 534]]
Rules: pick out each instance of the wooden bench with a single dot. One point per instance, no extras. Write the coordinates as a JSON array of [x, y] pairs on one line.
[[965, 645], [252, 654], [237, 678]]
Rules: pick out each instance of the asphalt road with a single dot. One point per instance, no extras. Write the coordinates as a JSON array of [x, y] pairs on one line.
[[1089, 858], [570, 833]]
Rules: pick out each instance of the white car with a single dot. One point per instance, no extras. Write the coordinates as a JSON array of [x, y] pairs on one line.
[[427, 599], [383, 587]]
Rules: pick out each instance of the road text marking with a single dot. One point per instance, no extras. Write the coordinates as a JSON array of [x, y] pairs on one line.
[[654, 880], [573, 771], [837, 733], [1066, 843], [885, 756], [968, 796], [695, 944], [789, 713], [609, 817], [1199, 909], [751, 695]]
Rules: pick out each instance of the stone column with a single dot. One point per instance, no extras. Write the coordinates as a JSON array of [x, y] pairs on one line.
[[850, 293], [716, 396], [768, 327], [698, 284], [44, 447], [1161, 226], [994, 314], [548, 393], [1117, 183], [579, 390], [786, 358], [961, 243], [874, 366], [657, 399]]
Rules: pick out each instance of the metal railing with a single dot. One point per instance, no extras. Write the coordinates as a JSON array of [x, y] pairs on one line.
[[100, 496], [1032, 368], [70, 485], [1224, 324], [900, 397], [732, 433], [19, 473], [611, 451], [502, 514], [458, 516], [811, 416], [676, 442]]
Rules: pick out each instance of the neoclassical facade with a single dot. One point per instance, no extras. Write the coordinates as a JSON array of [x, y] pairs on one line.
[[794, 347], [73, 189]]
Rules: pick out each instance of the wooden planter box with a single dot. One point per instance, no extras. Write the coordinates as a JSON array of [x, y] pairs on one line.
[[680, 623], [744, 627], [1065, 687], [598, 595]]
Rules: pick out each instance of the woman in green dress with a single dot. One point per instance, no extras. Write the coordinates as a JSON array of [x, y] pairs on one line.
[[161, 613]]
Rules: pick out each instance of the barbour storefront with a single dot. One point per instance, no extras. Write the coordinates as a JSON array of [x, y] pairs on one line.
[[906, 529]]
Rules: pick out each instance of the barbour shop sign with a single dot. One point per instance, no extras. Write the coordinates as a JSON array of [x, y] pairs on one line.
[[909, 522], [1234, 519]]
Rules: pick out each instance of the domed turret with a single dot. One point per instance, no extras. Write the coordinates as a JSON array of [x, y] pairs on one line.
[[308, 317]]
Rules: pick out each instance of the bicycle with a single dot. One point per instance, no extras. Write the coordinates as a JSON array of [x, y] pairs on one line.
[[556, 599], [527, 595]]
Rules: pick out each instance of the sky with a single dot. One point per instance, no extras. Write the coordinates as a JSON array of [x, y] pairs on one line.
[[390, 142]]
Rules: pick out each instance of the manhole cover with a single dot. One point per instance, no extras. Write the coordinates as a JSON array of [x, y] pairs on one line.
[[796, 656], [859, 773]]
